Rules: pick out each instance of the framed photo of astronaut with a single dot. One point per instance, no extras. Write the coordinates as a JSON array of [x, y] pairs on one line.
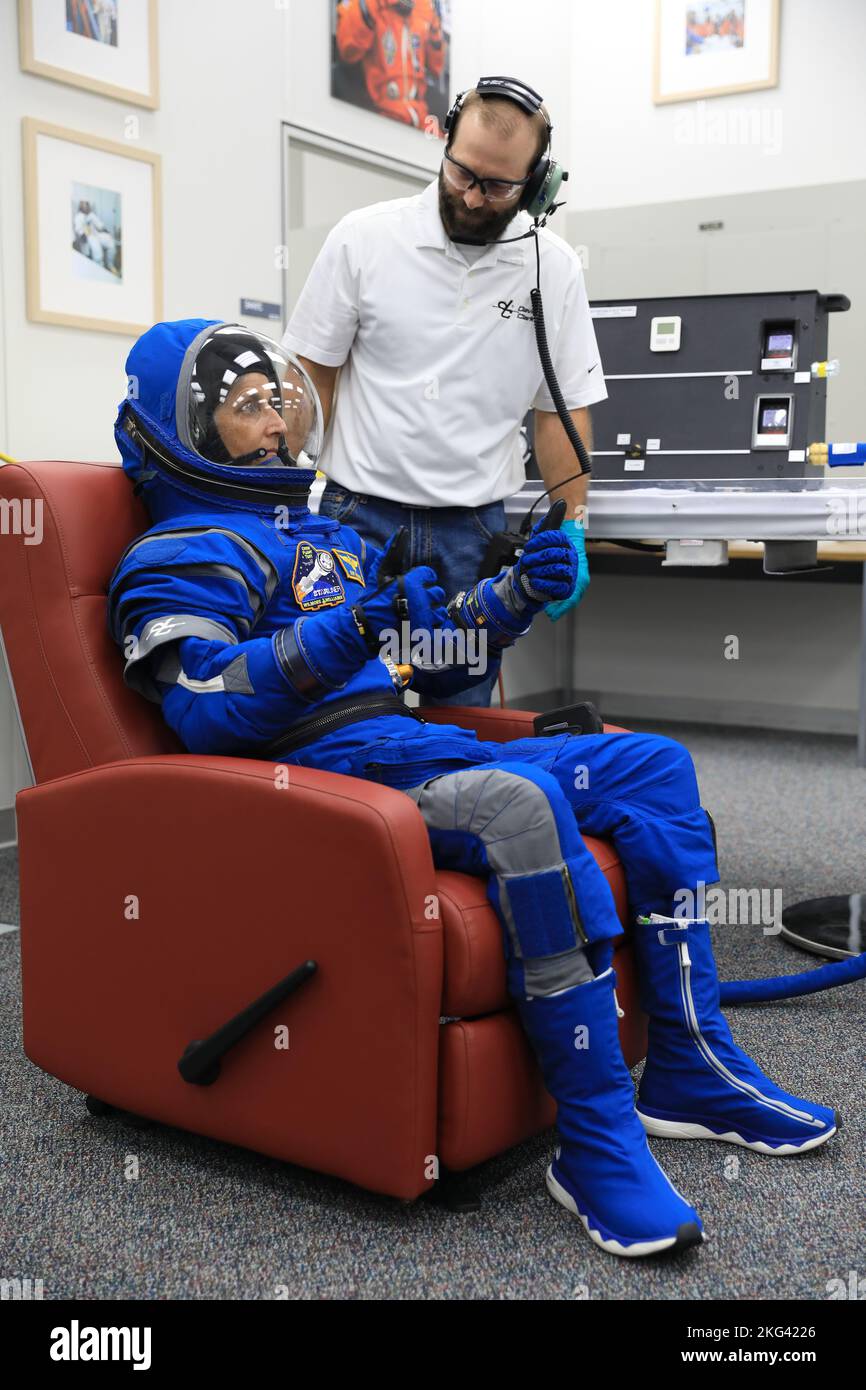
[[393, 57], [106, 46], [710, 48], [92, 213]]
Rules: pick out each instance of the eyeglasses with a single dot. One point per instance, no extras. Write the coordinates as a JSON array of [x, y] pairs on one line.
[[493, 190]]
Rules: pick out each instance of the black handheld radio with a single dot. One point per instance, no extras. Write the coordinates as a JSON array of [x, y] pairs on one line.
[[397, 562]]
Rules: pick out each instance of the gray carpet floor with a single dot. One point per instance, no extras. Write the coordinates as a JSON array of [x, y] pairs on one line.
[[208, 1221]]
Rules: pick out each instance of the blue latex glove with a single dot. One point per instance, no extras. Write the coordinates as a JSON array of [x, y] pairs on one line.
[[574, 531]]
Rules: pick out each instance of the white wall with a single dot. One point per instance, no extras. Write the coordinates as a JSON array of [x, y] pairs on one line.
[[808, 129], [217, 131]]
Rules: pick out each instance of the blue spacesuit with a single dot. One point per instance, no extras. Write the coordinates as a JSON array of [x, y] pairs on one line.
[[263, 630]]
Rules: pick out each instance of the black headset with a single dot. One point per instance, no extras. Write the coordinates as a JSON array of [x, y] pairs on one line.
[[539, 193]]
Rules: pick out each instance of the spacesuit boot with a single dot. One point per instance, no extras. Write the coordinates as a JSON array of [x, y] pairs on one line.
[[697, 1084], [603, 1171], [513, 823]]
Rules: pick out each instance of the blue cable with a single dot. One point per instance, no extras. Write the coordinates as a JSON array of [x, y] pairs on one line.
[[839, 972]]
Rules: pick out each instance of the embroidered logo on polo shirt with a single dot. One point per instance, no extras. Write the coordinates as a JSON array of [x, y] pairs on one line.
[[506, 310]]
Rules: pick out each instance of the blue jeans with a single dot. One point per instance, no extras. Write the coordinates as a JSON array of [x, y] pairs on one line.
[[450, 539]]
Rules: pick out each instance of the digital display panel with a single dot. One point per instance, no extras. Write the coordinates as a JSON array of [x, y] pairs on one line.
[[774, 420], [782, 343]]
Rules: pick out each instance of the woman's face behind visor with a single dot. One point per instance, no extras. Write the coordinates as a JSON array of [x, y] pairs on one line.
[[250, 403], [262, 413]]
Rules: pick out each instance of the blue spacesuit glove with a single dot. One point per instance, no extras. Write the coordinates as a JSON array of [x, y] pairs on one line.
[[420, 598], [335, 643], [426, 600], [445, 659], [224, 697], [575, 533], [505, 606], [383, 561], [547, 568]]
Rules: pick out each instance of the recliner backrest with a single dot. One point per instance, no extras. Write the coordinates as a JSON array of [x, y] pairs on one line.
[[64, 527]]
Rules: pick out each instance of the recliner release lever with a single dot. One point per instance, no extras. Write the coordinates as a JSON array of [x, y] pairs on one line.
[[201, 1059]]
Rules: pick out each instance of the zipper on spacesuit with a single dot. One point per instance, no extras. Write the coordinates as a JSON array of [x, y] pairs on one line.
[[320, 723], [572, 904], [337, 718], [685, 968], [324, 721], [422, 770]]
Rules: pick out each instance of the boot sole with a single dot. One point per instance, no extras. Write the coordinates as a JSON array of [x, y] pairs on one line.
[[687, 1235], [681, 1129]]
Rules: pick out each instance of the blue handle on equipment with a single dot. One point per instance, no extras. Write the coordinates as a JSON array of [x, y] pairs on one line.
[[842, 455]]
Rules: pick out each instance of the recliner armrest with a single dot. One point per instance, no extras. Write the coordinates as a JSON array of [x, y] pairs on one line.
[[161, 895], [495, 725]]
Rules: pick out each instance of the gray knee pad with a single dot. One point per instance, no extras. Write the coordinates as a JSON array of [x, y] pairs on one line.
[[513, 819]]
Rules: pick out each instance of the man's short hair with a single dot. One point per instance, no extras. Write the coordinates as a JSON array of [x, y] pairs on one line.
[[504, 116]]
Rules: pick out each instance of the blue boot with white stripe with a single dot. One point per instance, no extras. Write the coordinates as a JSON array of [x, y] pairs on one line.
[[697, 1083], [603, 1172]]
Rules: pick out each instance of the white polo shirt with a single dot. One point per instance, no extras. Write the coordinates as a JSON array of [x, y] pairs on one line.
[[440, 362]]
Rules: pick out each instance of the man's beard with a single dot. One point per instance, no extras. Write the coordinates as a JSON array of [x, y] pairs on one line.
[[472, 224]]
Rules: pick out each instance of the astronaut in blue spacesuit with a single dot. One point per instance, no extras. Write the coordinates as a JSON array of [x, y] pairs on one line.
[[261, 629]]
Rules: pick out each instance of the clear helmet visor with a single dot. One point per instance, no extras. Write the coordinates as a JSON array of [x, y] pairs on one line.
[[251, 404]]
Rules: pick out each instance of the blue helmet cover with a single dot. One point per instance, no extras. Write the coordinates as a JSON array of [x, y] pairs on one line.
[[159, 368]]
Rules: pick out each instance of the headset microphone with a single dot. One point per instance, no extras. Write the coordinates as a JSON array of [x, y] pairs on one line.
[[506, 241]]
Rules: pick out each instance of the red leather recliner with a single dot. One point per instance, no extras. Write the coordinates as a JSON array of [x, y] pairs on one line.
[[144, 927]]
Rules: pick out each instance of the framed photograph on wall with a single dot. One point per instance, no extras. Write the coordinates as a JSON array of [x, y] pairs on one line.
[[93, 230], [106, 46], [393, 57], [710, 48]]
